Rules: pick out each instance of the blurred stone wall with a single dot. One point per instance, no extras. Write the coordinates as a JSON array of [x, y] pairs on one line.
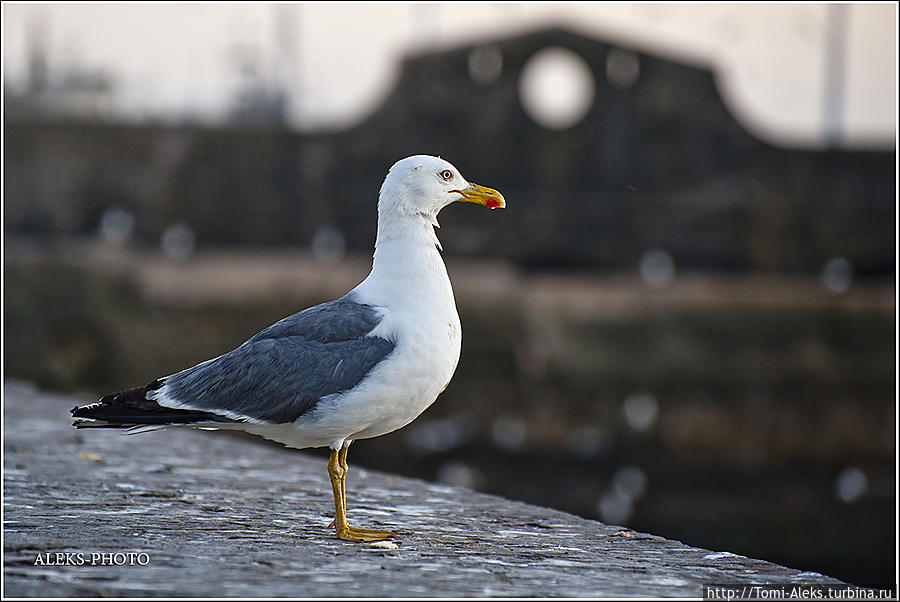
[[659, 163]]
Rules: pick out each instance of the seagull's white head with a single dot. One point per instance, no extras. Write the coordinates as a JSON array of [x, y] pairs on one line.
[[424, 185]]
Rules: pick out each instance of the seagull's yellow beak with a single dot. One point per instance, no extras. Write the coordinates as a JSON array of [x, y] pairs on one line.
[[482, 195]]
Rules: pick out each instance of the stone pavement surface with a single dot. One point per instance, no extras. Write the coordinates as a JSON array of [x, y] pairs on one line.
[[185, 513]]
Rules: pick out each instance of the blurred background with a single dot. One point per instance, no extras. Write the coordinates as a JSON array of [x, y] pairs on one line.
[[684, 322]]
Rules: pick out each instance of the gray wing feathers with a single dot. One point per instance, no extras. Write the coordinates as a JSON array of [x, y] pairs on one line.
[[340, 320], [284, 370]]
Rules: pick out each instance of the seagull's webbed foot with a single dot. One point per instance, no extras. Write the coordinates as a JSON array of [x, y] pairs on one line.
[[337, 470], [355, 534]]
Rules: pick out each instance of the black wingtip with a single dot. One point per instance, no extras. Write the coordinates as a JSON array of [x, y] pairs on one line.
[[131, 408]]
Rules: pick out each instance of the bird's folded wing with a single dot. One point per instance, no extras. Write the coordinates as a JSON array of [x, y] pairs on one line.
[[283, 371]]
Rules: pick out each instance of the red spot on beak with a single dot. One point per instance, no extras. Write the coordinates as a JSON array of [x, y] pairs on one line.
[[492, 203]]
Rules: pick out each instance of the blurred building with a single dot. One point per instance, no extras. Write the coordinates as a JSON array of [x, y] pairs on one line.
[[650, 159], [71, 91]]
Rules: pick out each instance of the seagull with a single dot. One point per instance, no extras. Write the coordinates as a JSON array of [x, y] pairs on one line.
[[358, 367]]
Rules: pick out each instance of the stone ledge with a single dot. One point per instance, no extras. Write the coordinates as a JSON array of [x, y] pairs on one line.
[[218, 516]]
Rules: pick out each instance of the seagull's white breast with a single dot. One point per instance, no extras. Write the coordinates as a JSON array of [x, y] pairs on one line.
[[410, 288]]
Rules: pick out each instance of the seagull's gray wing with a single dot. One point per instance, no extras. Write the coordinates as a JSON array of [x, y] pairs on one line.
[[284, 370]]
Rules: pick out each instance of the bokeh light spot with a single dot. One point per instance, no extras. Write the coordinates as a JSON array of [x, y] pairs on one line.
[[178, 241], [485, 65], [837, 275], [556, 88], [657, 267], [328, 245], [614, 508], [116, 225], [458, 474], [509, 432], [850, 485], [622, 68], [640, 411], [630, 481]]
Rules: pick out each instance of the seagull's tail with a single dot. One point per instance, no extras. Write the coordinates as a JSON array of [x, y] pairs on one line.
[[131, 409]]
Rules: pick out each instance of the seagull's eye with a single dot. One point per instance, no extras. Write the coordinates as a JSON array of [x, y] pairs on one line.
[[447, 175]]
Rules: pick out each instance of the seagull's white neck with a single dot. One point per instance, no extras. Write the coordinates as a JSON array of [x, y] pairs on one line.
[[415, 229], [407, 264]]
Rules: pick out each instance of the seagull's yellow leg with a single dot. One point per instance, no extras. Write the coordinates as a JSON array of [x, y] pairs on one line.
[[337, 470], [345, 467], [342, 463], [342, 459]]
